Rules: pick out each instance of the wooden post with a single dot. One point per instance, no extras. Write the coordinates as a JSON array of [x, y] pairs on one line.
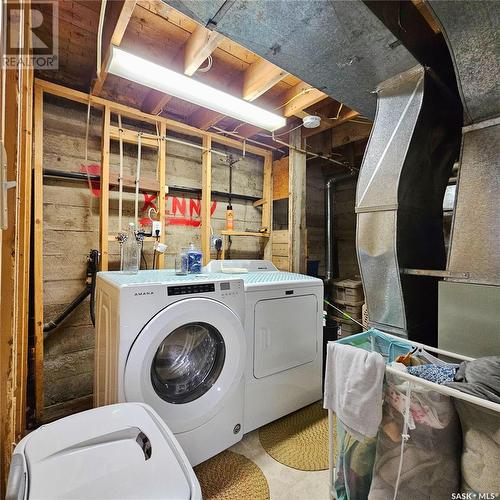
[[267, 207], [104, 206], [206, 197], [16, 85], [297, 205], [38, 249], [162, 152], [24, 245]]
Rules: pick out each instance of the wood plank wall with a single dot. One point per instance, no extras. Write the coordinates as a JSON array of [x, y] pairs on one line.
[[71, 223]]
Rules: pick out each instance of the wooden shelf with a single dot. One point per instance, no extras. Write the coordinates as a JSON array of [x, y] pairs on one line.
[[245, 233]]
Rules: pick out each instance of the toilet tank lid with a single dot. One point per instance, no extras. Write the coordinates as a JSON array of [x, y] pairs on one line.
[[116, 451]]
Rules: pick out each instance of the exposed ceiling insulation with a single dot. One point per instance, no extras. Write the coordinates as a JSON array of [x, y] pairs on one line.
[[339, 47]]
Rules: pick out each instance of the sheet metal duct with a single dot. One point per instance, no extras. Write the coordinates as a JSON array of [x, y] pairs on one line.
[[471, 30], [409, 158], [339, 46]]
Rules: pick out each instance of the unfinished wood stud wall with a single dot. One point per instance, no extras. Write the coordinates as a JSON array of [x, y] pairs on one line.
[[109, 134]]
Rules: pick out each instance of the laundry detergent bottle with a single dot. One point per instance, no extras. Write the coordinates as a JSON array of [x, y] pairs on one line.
[[131, 252]]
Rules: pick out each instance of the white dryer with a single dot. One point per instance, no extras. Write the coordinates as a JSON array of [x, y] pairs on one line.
[[284, 332], [176, 343]]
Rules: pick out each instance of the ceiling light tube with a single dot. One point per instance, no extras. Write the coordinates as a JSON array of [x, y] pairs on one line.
[[144, 72]]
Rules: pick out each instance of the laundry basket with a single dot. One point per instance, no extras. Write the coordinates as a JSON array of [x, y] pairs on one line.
[[418, 450], [354, 459]]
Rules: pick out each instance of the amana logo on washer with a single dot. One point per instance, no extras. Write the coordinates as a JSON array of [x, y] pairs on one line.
[[143, 293]]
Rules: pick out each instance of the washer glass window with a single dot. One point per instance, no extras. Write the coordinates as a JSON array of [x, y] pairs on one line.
[[188, 362]]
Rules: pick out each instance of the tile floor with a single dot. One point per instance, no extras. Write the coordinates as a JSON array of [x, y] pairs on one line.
[[284, 482]]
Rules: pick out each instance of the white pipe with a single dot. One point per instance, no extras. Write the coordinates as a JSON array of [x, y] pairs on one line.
[[137, 179], [99, 37], [120, 175], [196, 146]]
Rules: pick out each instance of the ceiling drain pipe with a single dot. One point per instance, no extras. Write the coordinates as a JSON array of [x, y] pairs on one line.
[[331, 253]]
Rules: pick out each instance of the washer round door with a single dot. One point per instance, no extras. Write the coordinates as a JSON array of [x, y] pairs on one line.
[[186, 362]]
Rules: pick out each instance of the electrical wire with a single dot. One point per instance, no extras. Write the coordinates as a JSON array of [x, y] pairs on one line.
[[137, 179], [338, 112], [120, 175], [99, 37], [301, 93], [281, 134], [208, 67]]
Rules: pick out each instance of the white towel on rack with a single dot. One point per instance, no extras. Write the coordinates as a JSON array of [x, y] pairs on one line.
[[353, 388]]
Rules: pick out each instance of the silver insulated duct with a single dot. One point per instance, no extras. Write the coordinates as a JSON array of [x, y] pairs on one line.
[[414, 142]]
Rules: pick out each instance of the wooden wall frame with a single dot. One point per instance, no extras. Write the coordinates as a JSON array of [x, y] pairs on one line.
[[111, 133], [16, 135]]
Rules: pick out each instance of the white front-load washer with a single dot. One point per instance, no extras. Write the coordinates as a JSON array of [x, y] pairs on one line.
[[122, 451], [176, 343], [284, 332]]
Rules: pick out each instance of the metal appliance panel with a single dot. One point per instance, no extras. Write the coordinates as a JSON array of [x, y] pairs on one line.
[[475, 239], [469, 319]]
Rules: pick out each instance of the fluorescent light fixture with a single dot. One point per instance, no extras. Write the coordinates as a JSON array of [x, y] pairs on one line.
[[139, 70]]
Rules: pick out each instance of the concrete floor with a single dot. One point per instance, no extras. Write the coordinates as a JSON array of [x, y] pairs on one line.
[[284, 482]]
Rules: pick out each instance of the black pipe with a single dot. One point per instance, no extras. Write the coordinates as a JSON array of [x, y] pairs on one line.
[[79, 176], [92, 267], [53, 324]]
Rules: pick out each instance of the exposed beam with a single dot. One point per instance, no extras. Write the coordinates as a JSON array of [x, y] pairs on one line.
[[117, 17], [296, 205], [199, 46], [201, 43], [260, 77]]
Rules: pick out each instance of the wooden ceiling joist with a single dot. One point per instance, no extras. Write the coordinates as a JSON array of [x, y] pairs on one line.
[[200, 45], [117, 17], [259, 78]]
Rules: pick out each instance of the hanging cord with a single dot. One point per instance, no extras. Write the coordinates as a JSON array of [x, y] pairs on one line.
[[404, 437], [343, 313], [120, 175], [137, 179]]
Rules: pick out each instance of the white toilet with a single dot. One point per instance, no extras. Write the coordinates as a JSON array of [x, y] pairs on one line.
[[121, 451]]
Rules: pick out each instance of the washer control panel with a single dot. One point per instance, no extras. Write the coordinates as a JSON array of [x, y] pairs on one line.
[[191, 289]]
